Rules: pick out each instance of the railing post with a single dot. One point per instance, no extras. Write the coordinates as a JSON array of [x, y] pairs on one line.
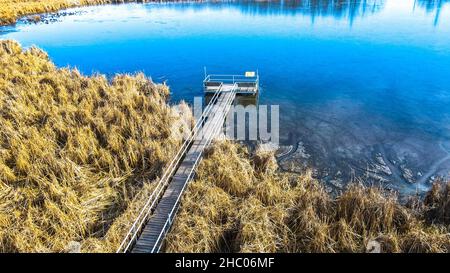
[[132, 235]]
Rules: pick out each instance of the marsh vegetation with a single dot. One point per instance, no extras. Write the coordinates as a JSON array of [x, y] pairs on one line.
[[77, 153], [241, 203]]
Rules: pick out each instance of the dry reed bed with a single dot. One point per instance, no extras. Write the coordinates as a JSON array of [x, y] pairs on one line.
[[75, 151], [240, 202], [11, 10]]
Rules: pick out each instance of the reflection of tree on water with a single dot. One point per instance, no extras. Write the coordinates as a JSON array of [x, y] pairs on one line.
[[432, 6], [337, 8]]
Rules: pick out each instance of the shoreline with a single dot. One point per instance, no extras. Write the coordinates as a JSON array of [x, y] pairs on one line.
[[11, 14]]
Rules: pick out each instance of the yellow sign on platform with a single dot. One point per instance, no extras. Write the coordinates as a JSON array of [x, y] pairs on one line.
[[250, 74]]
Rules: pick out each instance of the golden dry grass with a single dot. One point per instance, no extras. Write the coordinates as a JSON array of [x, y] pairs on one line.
[[437, 204], [77, 153], [11, 10], [269, 211]]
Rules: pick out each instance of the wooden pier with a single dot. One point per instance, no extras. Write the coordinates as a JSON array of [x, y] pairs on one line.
[[155, 219], [247, 84]]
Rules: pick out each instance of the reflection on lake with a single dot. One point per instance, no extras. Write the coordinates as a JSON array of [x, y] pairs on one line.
[[313, 8], [432, 6], [363, 86]]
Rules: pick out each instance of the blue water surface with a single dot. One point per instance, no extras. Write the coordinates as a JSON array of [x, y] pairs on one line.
[[360, 84]]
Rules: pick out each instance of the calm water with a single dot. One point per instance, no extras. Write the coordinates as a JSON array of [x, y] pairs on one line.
[[363, 86]]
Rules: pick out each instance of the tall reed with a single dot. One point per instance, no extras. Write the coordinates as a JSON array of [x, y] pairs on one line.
[[77, 154], [271, 211]]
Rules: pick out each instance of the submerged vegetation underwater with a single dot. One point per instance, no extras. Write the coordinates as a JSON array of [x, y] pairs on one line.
[[241, 203]]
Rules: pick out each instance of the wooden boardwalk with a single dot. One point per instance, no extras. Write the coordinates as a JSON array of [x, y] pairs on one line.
[[147, 232], [151, 238]]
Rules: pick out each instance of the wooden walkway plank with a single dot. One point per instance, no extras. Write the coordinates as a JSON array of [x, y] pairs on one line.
[[158, 225]]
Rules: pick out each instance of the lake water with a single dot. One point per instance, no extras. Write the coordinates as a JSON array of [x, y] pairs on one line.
[[363, 86]]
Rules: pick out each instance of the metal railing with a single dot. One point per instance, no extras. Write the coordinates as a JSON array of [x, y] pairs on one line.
[[216, 126], [230, 79], [145, 212]]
